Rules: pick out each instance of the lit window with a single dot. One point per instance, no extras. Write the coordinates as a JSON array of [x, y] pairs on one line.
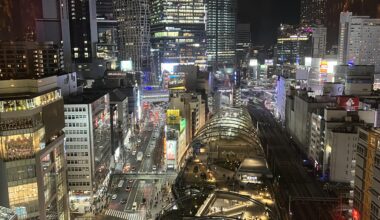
[[75, 55]]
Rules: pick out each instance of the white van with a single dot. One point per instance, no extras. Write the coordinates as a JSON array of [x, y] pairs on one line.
[[134, 206]]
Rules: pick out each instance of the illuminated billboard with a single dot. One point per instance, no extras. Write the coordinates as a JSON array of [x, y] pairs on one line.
[[308, 61], [348, 102], [253, 62], [171, 147], [173, 117], [168, 67], [323, 66], [182, 126], [176, 80], [269, 62], [126, 65]]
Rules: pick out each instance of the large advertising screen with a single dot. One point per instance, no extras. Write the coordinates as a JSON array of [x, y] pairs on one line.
[[173, 116], [176, 80], [126, 65], [349, 103], [171, 147]]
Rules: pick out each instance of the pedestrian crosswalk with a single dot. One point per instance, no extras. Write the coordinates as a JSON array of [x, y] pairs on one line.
[[124, 215]]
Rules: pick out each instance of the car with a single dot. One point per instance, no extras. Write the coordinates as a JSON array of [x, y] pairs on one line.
[[123, 201], [133, 168], [148, 154], [114, 196], [154, 168], [131, 180], [134, 153], [134, 206], [128, 188]]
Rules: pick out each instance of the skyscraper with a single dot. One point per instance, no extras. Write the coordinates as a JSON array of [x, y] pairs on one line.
[[106, 47], [134, 31], [313, 12], [359, 40], [293, 49], [335, 7], [220, 28], [83, 31], [243, 43], [178, 32], [19, 60], [32, 157], [319, 41]]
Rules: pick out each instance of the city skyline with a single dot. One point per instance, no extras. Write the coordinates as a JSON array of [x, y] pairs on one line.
[[189, 109]]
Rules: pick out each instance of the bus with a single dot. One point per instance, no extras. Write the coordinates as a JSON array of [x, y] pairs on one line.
[[121, 183], [139, 156]]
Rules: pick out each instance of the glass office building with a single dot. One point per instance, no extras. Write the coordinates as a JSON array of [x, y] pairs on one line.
[[221, 28], [178, 32], [32, 161]]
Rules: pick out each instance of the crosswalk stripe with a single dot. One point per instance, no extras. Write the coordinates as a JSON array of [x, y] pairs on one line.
[[124, 215]]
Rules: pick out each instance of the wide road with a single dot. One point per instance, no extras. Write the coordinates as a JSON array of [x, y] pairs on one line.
[[306, 196]]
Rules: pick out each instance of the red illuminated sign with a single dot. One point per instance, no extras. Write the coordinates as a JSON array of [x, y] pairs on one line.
[[348, 102]]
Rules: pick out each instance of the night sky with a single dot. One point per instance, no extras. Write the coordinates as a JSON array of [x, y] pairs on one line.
[[266, 15]]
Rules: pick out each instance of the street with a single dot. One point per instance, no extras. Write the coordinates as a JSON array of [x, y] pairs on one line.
[[140, 191]]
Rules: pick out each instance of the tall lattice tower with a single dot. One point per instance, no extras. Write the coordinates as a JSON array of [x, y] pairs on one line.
[[133, 31]]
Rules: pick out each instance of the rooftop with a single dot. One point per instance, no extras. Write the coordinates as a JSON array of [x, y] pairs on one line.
[[257, 165], [87, 97]]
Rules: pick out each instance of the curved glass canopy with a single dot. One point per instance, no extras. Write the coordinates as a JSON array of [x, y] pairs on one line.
[[229, 124]]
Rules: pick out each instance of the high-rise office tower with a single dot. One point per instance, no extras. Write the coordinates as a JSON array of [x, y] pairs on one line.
[[335, 7], [106, 47], [220, 28], [134, 31], [313, 12], [82, 29], [88, 147], [73, 25], [359, 40], [319, 41], [243, 43], [178, 32], [23, 59], [293, 49], [32, 157]]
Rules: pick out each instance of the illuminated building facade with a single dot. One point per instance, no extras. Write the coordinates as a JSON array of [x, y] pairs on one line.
[[32, 160], [319, 37], [81, 17], [178, 32], [88, 147], [357, 7], [221, 28], [293, 49], [313, 12], [243, 44], [106, 47], [359, 40], [29, 59], [193, 109], [134, 31], [367, 173]]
